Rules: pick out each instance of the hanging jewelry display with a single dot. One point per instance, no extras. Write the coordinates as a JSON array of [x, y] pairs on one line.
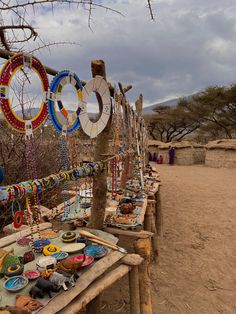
[[98, 85], [17, 62], [138, 151], [54, 97], [114, 177], [20, 62]]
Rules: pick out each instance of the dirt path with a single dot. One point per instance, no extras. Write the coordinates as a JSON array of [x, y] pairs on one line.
[[197, 265]]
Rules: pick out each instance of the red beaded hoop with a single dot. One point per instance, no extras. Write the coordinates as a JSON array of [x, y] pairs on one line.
[[15, 63], [18, 219]]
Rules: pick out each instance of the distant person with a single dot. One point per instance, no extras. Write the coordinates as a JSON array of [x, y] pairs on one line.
[[154, 157], [149, 156], [1, 174], [160, 160], [171, 155]]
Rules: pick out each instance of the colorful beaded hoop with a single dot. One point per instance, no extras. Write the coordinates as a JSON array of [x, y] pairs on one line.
[[98, 85], [54, 96], [15, 63]]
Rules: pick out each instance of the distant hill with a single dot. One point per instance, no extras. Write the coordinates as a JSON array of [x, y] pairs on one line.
[[150, 109], [171, 102]]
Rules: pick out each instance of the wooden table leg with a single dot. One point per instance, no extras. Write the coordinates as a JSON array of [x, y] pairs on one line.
[[143, 248], [94, 306], [134, 291], [158, 214]]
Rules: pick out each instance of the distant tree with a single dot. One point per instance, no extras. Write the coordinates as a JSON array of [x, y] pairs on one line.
[[172, 123], [215, 108]]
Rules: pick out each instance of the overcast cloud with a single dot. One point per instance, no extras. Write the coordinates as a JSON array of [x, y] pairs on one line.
[[191, 45]]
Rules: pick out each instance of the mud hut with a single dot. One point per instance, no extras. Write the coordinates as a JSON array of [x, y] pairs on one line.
[[221, 153], [186, 153], [199, 153], [153, 146]]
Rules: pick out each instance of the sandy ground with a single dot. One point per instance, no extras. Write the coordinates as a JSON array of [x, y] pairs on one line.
[[197, 262], [196, 272]]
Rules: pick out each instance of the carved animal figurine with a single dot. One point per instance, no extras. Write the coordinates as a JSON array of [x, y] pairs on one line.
[[60, 280], [46, 286], [35, 292], [69, 267]]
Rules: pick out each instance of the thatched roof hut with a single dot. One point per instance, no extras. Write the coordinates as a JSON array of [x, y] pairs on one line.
[[153, 146], [186, 153], [221, 153]]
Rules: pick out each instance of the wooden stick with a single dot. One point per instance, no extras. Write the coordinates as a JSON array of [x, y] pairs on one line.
[[111, 246], [94, 290], [94, 237], [134, 291]]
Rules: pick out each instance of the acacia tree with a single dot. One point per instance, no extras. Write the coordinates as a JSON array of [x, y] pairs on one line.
[[172, 123], [208, 115], [215, 107]]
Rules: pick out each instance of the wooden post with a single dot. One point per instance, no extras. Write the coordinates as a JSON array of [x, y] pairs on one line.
[[102, 146], [126, 171], [148, 217], [134, 291], [159, 217], [150, 225], [100, 180], [143, 248]]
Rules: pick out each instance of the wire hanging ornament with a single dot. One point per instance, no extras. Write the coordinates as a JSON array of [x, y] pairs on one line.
[[64, 157], [138, 152]]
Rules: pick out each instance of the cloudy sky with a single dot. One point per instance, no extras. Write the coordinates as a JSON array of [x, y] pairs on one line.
[[191, 45]]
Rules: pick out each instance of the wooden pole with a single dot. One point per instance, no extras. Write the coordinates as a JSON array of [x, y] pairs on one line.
[[102, 147], [134, 291], [143, 248], [159, 217], [125, 172]]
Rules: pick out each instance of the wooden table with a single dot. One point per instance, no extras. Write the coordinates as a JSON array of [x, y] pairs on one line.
[[91, 283]]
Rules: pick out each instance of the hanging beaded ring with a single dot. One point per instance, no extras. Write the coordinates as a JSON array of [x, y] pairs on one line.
[[54, 96], [17, 62], [98, 85]]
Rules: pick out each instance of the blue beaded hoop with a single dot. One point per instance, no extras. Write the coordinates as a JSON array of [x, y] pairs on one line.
[[54, 96]]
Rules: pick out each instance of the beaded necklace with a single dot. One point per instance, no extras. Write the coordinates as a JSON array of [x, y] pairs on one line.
[[32, 212]]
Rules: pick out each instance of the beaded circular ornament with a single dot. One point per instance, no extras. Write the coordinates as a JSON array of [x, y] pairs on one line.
[[17, 62], [54, 96], [98, 85]]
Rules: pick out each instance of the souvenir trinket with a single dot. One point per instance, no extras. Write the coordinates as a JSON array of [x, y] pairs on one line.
[[15, 283]]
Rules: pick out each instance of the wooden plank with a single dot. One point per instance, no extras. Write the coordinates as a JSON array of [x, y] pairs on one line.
[[132, 260], [60, 301], [95, 289], [24, 233], [136, 234]]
